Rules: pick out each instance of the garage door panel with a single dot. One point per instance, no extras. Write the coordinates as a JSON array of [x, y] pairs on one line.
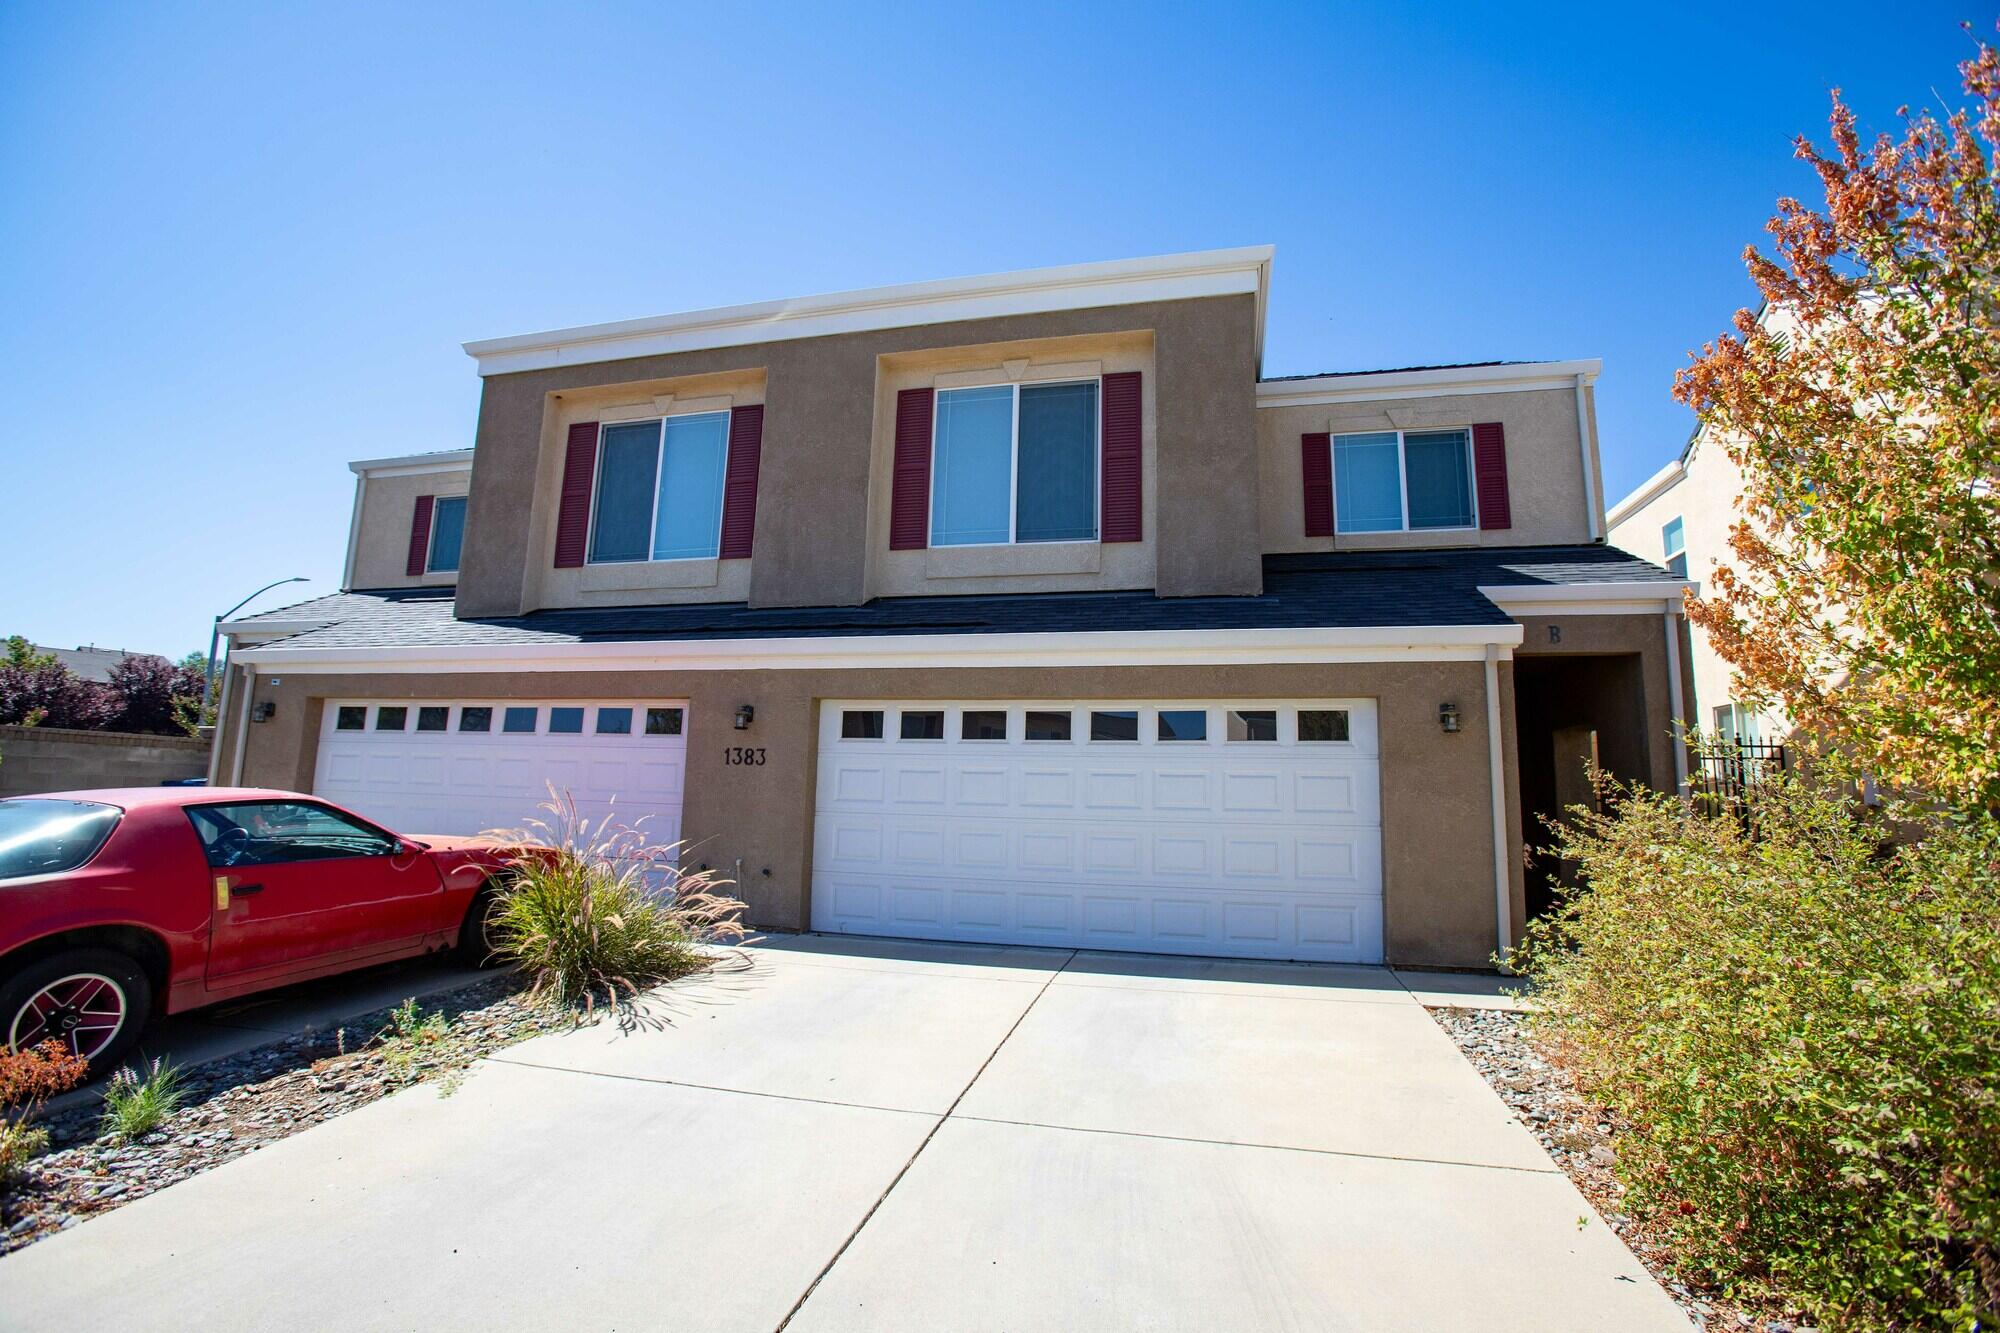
[[1258, 848], [459, 781]]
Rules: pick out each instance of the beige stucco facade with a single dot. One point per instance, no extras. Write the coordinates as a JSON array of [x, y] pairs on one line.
[[385, 507], [1546, 491], [1700, 490], [819, 537], [1437, 799]]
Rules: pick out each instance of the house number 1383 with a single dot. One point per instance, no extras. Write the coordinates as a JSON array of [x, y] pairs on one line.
[[743, 754]]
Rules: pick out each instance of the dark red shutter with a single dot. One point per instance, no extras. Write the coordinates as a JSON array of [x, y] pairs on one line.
[[1124, 466], [910, 483], [739, 485], [420, 536], [1316, 471], [579, 472], [1489, 466]]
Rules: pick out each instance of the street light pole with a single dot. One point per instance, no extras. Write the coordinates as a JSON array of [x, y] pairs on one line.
[[215, 634]]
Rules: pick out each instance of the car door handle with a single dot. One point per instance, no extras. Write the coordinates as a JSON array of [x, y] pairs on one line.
[[238, 890]]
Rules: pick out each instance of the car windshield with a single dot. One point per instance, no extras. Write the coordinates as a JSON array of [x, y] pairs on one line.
[[45, 837]]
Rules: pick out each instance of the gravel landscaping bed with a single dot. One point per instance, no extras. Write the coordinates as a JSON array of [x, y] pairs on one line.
[[237, 1104], [1583, 1141]]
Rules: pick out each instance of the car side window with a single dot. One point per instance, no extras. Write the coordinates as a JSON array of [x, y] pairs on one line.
[[260, 833]]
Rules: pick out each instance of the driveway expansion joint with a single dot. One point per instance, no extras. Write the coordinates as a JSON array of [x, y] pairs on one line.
[[897, 1179], [703, 1087], [1263, 1147]]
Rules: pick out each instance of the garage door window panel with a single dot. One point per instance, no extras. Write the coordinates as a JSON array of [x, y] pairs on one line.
[[1114, 725], [1047, 726], [520, 721], [1183, 724], [351, 718], [433, 718], [1322, 726], [614, 721], [982, 725], [392, 719], [1252, 724], [565, 721], [1015, 463], [663, 721], [861, 724], [922, 726], [475, 719]]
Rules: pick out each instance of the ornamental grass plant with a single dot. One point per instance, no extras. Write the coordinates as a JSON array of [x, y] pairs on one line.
[[1800, 1029], [595, 911]]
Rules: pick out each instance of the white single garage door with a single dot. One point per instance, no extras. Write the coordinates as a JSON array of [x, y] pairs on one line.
[[467, 767], [1242, 829]]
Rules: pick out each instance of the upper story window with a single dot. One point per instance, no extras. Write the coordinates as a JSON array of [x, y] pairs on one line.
[[1403, 481], [659, 489], [1673, 538], [447, 534], [1015, 463]]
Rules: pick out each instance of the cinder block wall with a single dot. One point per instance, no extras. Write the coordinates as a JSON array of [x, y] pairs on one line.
[[36, 759]]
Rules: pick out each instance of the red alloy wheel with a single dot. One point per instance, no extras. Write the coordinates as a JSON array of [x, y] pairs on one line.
[[85, 1010]]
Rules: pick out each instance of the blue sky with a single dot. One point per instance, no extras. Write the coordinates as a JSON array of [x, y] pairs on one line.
[[241, 244]]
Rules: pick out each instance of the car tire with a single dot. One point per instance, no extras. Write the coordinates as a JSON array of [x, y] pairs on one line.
[[475, 939], [95, 1001]]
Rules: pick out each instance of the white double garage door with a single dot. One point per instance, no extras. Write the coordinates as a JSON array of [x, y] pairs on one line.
[[480, 765], [1229, 828]]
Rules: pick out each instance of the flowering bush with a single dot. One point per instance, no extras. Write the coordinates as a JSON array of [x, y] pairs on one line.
[[1802, 1029], [144, 694]]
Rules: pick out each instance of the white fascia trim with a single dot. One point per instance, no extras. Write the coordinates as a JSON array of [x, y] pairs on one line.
[[412, 465], [255, 630], [1625, 598], [1649, 490], [1243, 271], [1383, 384], [1647, 493], [875, 652]]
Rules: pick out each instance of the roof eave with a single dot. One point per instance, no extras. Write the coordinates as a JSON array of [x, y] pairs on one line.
[[1242, 271]]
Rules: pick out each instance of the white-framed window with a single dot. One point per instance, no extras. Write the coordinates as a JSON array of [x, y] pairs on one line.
[[447, 534], [658, 491], [1015, 463], [1403, 481], [1734, 722], [1673, 540]]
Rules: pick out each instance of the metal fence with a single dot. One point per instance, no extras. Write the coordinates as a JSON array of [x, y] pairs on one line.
[[1723, 778]]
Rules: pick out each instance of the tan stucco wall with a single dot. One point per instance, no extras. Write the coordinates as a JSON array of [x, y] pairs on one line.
[[36, 759], [382, 540], [1704, 499], [1545, 487], [1032, 567], [812, 536], [1640, 634], [642, 583], [1436, 794]]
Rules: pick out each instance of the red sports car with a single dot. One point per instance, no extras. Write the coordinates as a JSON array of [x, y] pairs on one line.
[[120, 904]]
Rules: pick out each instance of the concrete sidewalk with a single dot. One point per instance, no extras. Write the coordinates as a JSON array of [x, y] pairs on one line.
[[857, 1134]]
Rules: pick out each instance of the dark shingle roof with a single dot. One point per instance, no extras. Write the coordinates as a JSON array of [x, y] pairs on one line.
[[1390, 370], [1346, 589]]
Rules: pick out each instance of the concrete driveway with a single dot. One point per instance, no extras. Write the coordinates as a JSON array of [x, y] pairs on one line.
[[860, 1134]]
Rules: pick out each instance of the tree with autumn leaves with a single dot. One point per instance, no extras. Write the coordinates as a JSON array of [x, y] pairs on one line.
[[1864, 596]]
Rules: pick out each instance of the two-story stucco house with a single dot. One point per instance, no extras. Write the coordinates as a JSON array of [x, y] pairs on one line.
[[1015, 608]]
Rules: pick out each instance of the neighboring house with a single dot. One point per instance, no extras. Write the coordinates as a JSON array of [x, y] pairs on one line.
[[1680, 517], [1015, 608], [87, 662]]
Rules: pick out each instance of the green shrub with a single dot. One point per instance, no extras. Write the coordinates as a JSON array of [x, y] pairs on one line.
[[1803, 1031], [20, 1142], [135, 1104], [596, 910]]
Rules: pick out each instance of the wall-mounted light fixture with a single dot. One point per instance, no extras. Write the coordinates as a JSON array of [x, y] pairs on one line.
[[1448, 717], [262, 712], [744, 716]]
